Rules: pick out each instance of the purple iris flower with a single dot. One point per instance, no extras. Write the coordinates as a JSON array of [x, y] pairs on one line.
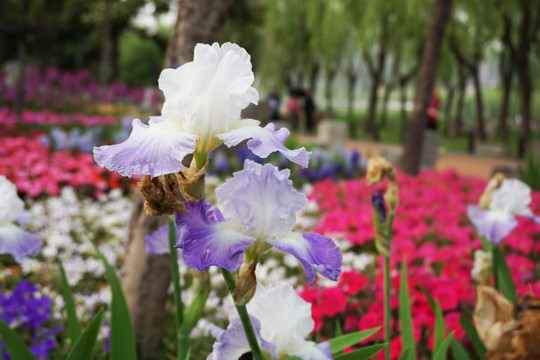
[[259, 208], [13, 239], [203, 101]]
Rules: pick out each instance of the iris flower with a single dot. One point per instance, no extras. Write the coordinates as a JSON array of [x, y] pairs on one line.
[[259, 211], [203, 101], [282, 321], [14, 240], [512, 198]]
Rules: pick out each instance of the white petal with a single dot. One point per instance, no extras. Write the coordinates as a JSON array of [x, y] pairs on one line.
[[10, 203], [513, 196]]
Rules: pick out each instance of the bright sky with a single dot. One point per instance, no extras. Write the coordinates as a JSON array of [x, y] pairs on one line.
[[147, 20]]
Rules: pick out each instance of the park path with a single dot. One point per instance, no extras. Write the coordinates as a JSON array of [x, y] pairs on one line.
[[466, 164]]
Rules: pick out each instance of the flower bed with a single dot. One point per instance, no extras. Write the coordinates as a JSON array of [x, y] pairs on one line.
[[432, 234]]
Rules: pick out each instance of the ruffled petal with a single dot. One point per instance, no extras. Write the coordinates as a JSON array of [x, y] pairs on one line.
[[264, 141], [494, 225], [285, 317], [315, 252], [262, 199], [314, 352], [232, 343], [513, 196], [11, 206], [206, 239], [155, 150], [18, 243], [157, 243], [207, 94]]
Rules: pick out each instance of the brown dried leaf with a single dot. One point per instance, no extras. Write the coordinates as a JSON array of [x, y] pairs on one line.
[[161, 194]]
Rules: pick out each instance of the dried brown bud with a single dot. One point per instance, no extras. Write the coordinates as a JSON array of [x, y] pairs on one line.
[[192, 181], [493, 184], [161, 194], [378, 169], [510, 332], [246, 283]]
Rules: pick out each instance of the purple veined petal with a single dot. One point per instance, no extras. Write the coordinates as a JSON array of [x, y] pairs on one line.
[[491, 224], [157, 243], [153, 150], [232, 343], [207, 239], [264, 141], [315, 252], [320, 351], [19, 243]]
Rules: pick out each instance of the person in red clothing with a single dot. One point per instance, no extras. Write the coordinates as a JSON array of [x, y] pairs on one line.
[[433, 110]]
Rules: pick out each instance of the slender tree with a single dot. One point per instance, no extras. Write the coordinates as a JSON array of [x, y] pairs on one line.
[[410, 162]]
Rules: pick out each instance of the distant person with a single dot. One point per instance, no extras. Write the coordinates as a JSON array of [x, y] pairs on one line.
[[293, 109], [309, 111], [274, 102], [433, 111]]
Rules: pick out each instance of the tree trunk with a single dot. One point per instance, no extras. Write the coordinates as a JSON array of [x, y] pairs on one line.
[[481, 128], [410, 162], [19, 95], [384, 113], [351, 84], [106, 46], [198, 21], [506, 73], [526, 91], [145, 280], [313, 77], [330, 77], [404, 116], [457, 129], [372, 106]]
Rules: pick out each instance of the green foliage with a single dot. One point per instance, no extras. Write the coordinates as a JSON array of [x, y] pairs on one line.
[[503, 277], [440, 352], [122, 337], [405, 317], [14, 344], [141, 61], [74, 326], [363, 353], [84, 346], [469, 328], [530, 173], [341, 342]]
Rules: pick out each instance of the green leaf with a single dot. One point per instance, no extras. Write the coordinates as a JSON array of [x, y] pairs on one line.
[[83, 348], [341, 342], [439, 327], [122, 338], [73, 324], [458, 351], [405, 317], [15, 346], [405, 353], [504, 278], [363, 353], [469, 328], [440, 353], [486, 245]]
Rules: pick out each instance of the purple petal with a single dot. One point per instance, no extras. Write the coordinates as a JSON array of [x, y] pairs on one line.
[[18, 243], [155, 150], [491, 224], [315, 252], [207, 239], [264, 141], [232, 343], [157, 243]]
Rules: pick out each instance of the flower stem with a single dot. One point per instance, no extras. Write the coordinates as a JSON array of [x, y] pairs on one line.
[[387, 309], [181, 340], [244, 318], [495, 267]]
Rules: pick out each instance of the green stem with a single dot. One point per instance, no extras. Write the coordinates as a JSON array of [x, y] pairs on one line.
[[181, 340], [495, 268], [387, 309], [244, 318]]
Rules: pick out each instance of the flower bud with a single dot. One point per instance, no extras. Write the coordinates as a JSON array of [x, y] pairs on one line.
[[246, 283], [392, 197], [378, 169], [192, 181], [493, 184]]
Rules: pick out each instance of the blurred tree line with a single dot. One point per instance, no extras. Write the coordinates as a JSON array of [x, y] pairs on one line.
[[300, 44]]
